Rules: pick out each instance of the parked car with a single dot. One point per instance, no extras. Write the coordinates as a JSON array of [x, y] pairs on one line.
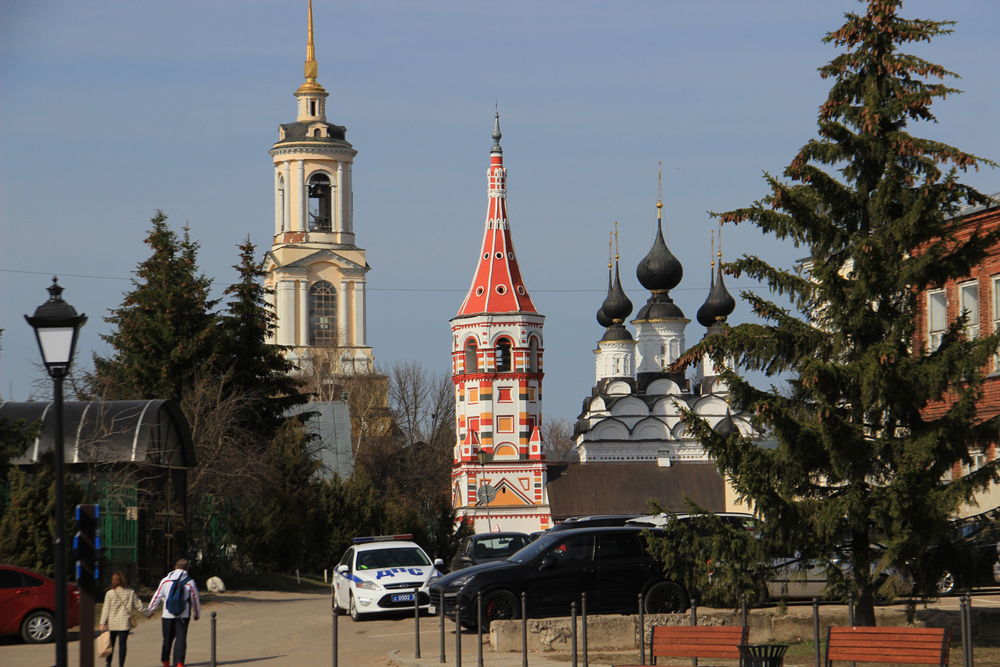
[[592, 521], [734, 519], [488, 547], [28, 604], [611, 565], [976, 544], [383, 574]]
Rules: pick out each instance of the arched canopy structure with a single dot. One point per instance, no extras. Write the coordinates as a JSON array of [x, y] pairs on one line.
[[146, 432]]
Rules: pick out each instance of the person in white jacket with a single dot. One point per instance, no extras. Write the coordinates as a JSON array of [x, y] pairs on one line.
[[175, 626], [116, 615]]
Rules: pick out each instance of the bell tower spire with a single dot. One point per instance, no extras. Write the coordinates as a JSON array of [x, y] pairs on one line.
[[312, 96]]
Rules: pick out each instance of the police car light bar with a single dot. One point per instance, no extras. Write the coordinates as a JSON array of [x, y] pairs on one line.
[[382, 538]]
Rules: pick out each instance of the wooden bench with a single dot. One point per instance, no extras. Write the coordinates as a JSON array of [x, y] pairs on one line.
[[920, 646], [697, 641]]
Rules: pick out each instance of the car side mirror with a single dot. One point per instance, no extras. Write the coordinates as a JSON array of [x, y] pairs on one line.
[[438, 563], [548, 563], [465, 559], [343, 569]]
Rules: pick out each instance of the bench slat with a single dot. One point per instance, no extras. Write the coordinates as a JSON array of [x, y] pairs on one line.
[[686, 641]]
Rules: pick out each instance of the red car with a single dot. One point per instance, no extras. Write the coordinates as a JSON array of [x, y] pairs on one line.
[[28, 603]]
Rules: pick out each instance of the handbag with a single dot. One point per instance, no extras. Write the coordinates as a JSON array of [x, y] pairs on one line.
[[104, 644], [131, 620]]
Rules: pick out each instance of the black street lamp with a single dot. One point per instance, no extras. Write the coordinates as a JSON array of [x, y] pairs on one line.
[[56, 326]]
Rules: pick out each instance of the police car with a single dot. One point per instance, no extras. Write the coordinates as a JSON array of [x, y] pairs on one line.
[[383, 574]]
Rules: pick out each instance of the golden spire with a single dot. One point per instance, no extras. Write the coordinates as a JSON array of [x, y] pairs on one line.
[[610, 248], [659, 189], [616, 240], [311, 67]]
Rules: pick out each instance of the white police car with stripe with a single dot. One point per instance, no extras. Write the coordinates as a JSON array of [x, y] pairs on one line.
[[387, 573]]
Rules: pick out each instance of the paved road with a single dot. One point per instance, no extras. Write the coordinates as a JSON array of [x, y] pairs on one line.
[[269, 629]]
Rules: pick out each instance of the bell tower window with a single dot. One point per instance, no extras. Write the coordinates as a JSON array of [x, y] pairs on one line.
[[533, 356], [281, 201], [320, 203], [322, 314], [312, 107], [471, 357], [503, 355]]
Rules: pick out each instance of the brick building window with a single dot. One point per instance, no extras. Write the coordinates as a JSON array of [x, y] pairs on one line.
[[968, 304], [937, 318]]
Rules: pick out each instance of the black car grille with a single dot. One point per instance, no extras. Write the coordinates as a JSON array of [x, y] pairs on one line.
[[450, 602], [394, 587], [387, 603]]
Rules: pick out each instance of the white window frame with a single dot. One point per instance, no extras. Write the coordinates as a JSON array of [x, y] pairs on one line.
[[968, 301], [995, 290], [934, 333]]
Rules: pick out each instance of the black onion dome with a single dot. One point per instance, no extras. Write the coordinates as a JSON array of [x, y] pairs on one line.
[[659, 270], [719, 305], [603, 319], [617, 306], [726, 426]]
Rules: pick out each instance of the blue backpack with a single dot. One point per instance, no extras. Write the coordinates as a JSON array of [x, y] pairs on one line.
[[175, 598]]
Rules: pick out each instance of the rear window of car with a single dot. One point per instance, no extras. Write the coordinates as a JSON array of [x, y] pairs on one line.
[[10, 579]]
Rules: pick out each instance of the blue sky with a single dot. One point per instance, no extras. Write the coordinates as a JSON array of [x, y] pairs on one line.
[[111, 109]]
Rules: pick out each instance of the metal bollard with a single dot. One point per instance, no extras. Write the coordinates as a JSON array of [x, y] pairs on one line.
[[850, 609], [694, 621], [819, 659], [572, 631], [213, 639], [642, 634], [416, 622], [441, 605], [458, 634], [744, 607], [479, 625], [583, 613], [524, 629], [962, 628], [336, 614]]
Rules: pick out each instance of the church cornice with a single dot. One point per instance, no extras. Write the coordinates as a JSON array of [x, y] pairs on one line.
[[321, 255], [325, 149], [497, 377]]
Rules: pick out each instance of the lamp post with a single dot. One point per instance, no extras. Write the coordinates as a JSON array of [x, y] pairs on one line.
[[56, 326]]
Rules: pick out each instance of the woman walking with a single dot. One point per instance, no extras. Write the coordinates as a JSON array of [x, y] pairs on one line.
[[116, 616]]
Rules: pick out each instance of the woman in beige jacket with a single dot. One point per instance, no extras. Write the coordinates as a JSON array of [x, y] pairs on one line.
[[119, 603]]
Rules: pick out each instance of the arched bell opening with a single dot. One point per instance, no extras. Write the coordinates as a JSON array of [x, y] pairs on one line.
[[471, 356], [503, 355], [320, 203]]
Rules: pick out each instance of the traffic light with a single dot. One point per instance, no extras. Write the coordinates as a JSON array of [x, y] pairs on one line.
[[87, 547]]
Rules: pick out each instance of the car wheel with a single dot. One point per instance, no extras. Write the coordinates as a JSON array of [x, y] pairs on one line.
[[38, 627], [499, 606], [666, 597], [355, 614], [946, 584]]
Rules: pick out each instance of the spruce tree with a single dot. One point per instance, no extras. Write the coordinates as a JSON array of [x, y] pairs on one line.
[[865, 442], [165, 330], [249, 363]]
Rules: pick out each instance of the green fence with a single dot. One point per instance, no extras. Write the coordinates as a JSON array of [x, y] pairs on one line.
[[119, 521]]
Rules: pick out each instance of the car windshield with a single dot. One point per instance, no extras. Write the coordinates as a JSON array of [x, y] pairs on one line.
[[538, 546], [395, 557], [501, 546]]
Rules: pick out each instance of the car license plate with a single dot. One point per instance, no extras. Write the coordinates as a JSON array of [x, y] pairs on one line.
[[432, 610], [403, 597]]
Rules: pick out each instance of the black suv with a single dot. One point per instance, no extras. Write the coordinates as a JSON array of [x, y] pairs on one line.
[[610, 565]]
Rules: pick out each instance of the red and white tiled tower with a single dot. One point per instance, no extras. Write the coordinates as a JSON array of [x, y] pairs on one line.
[[499, 469]]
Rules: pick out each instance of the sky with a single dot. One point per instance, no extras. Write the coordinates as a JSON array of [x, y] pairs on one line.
[[112, 109]]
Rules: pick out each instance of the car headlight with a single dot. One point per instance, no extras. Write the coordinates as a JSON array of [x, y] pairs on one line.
[[369, 586], [463, 581], [431, 580]]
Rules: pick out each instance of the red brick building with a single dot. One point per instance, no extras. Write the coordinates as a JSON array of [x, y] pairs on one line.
[[979, 295]]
